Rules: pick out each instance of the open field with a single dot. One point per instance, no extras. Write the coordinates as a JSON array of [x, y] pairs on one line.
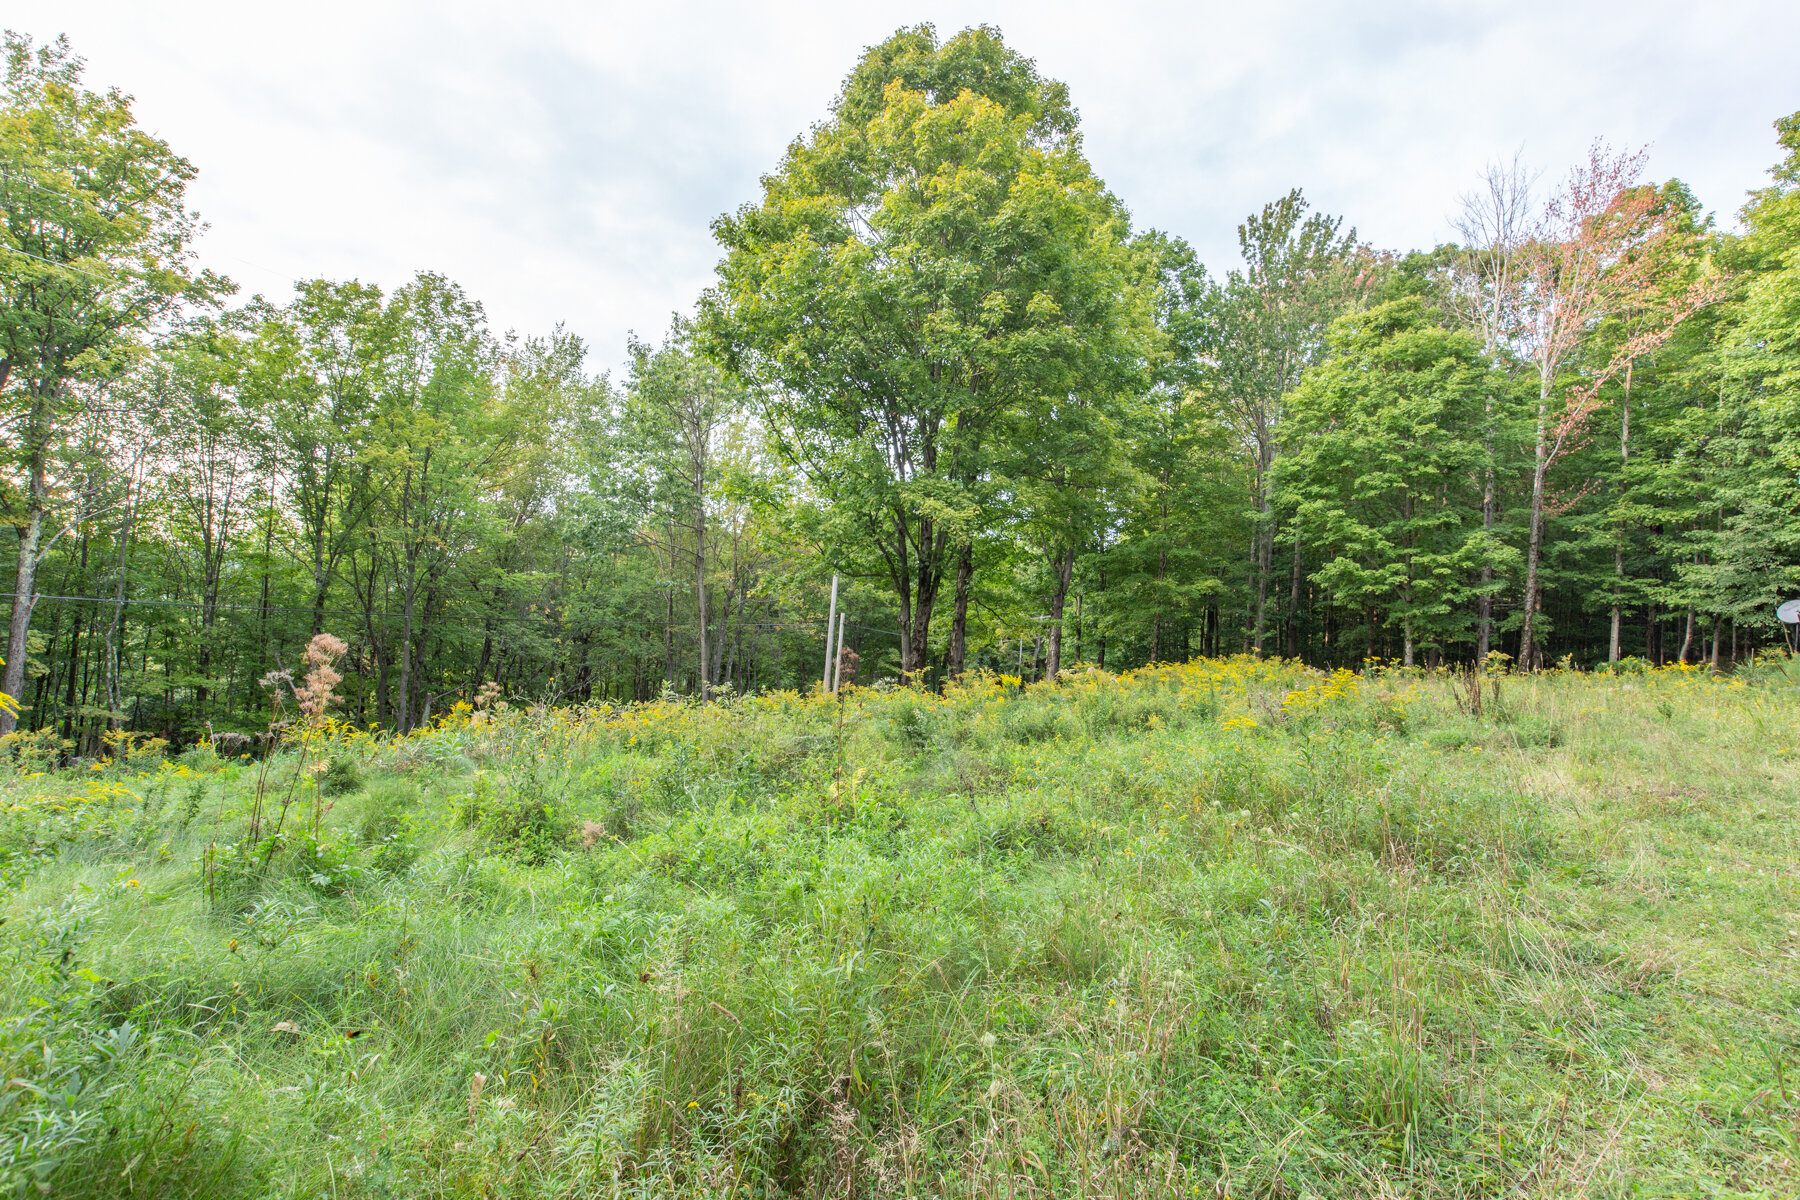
[[1222, 929]]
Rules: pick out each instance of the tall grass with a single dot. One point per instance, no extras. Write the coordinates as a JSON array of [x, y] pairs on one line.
[[1220, 929]]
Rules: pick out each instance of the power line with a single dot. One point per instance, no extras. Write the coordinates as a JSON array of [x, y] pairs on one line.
[[14, 177], [81, 200], [273, 608], [57, 265], [50, 261], [802, 623], [324, 612]]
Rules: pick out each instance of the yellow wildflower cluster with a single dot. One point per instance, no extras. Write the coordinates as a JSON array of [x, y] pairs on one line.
[[1339, 687]]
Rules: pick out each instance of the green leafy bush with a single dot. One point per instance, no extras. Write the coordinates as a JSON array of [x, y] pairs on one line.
[[341, 777], [517, 818]]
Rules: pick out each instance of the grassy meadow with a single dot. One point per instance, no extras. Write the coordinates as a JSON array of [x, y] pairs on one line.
[[1223, 929]]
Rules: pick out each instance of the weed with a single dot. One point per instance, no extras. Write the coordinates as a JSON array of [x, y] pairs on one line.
[[1218, 928], [341, 777]]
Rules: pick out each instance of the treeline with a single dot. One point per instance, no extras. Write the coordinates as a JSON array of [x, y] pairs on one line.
[[939, 363]]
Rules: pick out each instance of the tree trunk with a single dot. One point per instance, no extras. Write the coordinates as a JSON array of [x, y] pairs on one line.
[[1156, 613], [700, 586], [115, 630], [669, 615], [404, 688], [1528, 647], [31, 536], [1619, 534], [262, 615], [1687, 638], [409, 595], [721, 644], [1078, 658], [959, 620], [31, 552], [1265, 563], [722, 658], [1484, 604], [1100, 655], [487, 656], [918, 578], [1064, 566], [74, 675], [1293, 621], [1619, 574]]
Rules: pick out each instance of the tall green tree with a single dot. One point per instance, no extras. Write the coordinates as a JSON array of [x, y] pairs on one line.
[[682, 405], [1596, 252], [1300, 272], [97, 250], [1169, 560], [1386, 469], [435, 450], [212, 448], [1494, 227], [1740, 556], [319, 370], [934, 256]]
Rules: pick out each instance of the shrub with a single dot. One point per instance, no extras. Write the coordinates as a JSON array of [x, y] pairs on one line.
[[913, 723], [517, 819], [394, 853], [1036, 832], [1778, 668], [341, 777]]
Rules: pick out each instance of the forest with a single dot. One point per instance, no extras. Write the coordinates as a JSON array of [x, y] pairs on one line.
[[938, 363]]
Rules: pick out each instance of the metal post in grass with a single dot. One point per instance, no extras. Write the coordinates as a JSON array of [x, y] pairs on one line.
[[830, 628], [837, 660]]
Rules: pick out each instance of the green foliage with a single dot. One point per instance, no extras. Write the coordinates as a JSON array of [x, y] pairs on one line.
[[341, 777], [1125, 908], [937, 362], [96, 1106], [517, 816], [1387, 471], [1232, 927], [933, 282]]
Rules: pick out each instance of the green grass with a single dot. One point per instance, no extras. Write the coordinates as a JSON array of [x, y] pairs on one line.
[[1225, 929]]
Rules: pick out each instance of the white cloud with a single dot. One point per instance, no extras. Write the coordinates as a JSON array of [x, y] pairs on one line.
[[562, 161]]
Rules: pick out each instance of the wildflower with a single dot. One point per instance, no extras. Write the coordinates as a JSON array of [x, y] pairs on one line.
[[316, 695]]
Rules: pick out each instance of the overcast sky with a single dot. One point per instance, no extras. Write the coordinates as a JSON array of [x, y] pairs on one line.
[[562, 161]]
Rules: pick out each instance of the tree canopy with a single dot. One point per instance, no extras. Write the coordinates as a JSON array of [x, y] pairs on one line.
[[937, 364]]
